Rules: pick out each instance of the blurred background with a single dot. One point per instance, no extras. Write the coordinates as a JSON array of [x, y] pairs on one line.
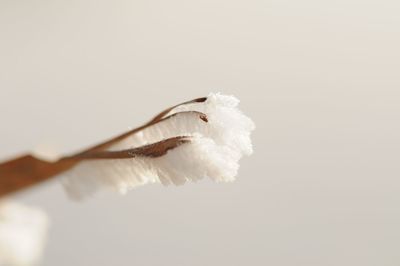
[[319, 78]]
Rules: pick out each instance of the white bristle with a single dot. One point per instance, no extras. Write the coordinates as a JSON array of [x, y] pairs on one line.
[[214, 151]]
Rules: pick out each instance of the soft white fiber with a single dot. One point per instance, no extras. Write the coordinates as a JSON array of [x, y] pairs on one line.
[[227, 125], [23, 232], [214, 151]]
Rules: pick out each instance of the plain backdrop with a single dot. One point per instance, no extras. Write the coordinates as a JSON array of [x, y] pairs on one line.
[[319, 78]]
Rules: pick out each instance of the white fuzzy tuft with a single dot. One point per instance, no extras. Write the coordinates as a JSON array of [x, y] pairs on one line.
[[214, 151], [227, 125], [23, 232]]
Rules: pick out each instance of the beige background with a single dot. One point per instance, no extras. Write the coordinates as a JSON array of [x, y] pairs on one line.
[[320, 79]]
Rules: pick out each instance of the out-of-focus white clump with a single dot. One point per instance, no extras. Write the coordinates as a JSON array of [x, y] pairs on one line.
[[214, 152], [23, 232]]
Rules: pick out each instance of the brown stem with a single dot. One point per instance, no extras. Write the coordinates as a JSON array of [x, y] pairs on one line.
[[152, 150], [27, 170], [158, 118]]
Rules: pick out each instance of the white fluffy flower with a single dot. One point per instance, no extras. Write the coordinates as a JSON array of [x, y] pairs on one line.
[[214, 151], [23, 232]]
